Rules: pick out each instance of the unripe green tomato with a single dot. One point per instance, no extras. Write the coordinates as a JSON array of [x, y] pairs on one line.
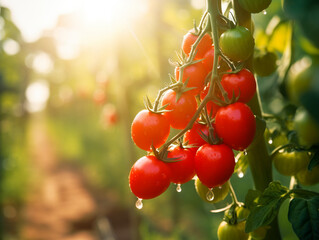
[[264, 63], [220, 193], [302, 76], [254, 6], [237, 43], [242, 212], [306, 127], [228, 231], [308, 178], [259, 233], [290, 163]]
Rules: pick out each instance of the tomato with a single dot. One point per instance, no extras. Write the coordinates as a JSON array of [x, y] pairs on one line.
[[228, 231], [149, 177], [195, 74], [236, 125], [212, 107], [308, 178], [242, 84], [254, 6], [208, 60], [242, 212], [302, 76], [220, 193], [181, 110], [214, 164], [149, 128], [184, 169], [193, 137], [264, 63], [99, 96], [237, 43], [203, 46], [290, 163], [306, 127]]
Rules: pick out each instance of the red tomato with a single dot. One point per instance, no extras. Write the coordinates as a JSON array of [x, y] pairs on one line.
[[203, 46], [243, 84], [208, 60], [183, 170], [193, 137], [182, 110], [236, 125], [214, 164], [212, 107], [195, 74], [149, 177], [149, 128]]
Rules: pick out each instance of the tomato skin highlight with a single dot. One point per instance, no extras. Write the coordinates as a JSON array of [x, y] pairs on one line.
[[195, 74], [242, 84], [236, 125], [183, 170], [214, 164], [192, 136], [149, 128], [182, 110], [237, 43], [203, 46], [149, 177]]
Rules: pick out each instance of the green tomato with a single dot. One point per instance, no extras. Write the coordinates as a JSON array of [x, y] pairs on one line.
[[290, 163], [302, 76], [308, 178], [254, 6], [242, 212], [228, 231], [237, 43], [264, 63], [220, 193], [306, 127]]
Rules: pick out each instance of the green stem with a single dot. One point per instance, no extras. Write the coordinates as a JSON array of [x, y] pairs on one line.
[[258, 157]]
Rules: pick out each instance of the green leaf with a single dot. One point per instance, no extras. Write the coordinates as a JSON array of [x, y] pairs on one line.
[[304, 216], [242, 163], [309, 100], [267, 207], [252, 198], [314, 160]]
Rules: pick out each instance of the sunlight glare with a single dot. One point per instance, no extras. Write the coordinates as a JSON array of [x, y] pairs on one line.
[[37, 94]]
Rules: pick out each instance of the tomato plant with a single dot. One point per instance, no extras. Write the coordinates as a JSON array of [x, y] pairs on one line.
[[149, 129], [203, 46], [235, 124], [255, 6], [149, 177], [180, 109], [237, 43], [241, 84], [214, 164], [208, 59], [219, 193], [193, 136]]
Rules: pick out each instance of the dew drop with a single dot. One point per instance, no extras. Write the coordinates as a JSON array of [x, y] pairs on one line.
[[264, 12], [240, 174], [178, 187], [281, 150], [245, 152], [220, 187], [270, 141], [139, 203], [210, 195]]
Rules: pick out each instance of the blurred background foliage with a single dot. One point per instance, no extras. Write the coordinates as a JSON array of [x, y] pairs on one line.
[[83, 81]]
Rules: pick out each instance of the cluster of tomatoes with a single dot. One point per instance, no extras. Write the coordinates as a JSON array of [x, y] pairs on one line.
[[210, 133]]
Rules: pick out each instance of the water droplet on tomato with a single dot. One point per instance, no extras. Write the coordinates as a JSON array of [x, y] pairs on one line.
[[220, 187], [210, 195], [139, 203], [245, 152], [281, 150], [240, 174], [264, 12], [270, 141], [178, 187]]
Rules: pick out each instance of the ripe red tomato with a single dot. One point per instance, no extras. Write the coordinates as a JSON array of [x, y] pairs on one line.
[[242, 84], [237, 43], [181, 110], [212, 108], [236, 125], [149, 177], [203, 46], [196, 75], [208, 60], [214, 164], [149, 128], [184, 169], [192, 136]]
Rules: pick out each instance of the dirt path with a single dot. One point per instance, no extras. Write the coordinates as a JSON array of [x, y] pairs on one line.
[[62, 205]]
